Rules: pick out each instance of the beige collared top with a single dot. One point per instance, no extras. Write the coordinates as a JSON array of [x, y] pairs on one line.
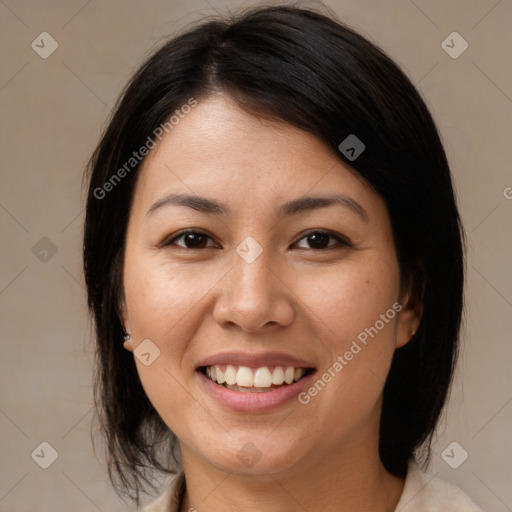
[[421, 493]]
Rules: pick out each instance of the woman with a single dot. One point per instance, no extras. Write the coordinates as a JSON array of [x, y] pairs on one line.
[[271, 228]]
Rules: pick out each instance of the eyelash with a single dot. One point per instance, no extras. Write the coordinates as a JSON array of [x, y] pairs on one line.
[[341, 241]]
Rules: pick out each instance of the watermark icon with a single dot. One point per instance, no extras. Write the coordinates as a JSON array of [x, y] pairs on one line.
[[147, 352], [44, 455], [44, 250], [454, 455], [44, 45], [138, 156], [507, 192], [249, 455], [454, 45], [249, 250], [343, 360], [351, 147]]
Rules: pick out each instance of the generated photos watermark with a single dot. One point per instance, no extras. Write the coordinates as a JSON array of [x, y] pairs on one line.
[[138, 156], [343, 360]]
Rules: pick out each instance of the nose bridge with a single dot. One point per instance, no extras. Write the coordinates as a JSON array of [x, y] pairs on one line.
[[251, 275], [252, 295]]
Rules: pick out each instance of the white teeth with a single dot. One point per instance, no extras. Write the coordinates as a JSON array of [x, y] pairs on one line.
[[242, 377], [289, 374], [220, 376], [278, 376], [230, 375], [262, 378]]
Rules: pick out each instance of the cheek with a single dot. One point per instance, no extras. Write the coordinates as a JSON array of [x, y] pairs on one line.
[[352, 297], [160, 297], [359, 313], [160, 300], [356, 309]]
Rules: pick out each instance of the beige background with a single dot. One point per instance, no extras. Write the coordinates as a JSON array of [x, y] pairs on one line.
[[53, 111]]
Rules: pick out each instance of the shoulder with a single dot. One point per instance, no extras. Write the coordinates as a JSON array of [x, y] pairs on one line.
[[170, 499], [426, 493]]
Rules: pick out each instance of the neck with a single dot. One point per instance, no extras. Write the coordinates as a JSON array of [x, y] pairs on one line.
[[336, 480]]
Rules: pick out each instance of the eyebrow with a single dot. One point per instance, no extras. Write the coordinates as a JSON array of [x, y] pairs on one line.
[[293, 207]]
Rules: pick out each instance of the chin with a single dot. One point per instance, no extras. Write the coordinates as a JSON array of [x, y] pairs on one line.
[[253, 454]]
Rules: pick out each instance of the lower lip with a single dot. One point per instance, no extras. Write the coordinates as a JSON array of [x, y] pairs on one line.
[[254, 402]]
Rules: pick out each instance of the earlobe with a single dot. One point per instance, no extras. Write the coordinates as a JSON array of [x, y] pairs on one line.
[[405, 335], [409, 321], [128, 343]]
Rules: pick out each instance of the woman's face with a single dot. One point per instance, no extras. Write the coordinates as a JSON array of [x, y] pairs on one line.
[[257, 295]]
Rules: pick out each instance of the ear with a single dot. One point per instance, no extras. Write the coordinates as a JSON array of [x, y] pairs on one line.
[[409, 318], [123, 315]]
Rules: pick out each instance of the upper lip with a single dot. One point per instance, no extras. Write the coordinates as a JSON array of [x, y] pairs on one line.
[[255, 360]]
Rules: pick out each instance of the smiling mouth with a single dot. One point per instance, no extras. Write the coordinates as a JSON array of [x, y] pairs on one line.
[[254, 380]]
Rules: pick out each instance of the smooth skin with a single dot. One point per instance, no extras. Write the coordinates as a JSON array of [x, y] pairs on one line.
[[301, 297]]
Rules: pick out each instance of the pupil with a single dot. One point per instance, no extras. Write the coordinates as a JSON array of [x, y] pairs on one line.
[[189, 239], [318, 239]]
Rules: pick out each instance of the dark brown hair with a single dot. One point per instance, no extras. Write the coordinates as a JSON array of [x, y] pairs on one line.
[[313, 72]]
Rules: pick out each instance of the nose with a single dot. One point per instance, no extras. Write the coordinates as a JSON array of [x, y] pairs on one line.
[[254, 296]]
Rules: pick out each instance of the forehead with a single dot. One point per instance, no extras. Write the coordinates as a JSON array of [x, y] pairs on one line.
[[220, 151]]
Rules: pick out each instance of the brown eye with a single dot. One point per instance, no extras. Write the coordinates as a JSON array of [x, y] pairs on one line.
[[191, 240], [319, 240]]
